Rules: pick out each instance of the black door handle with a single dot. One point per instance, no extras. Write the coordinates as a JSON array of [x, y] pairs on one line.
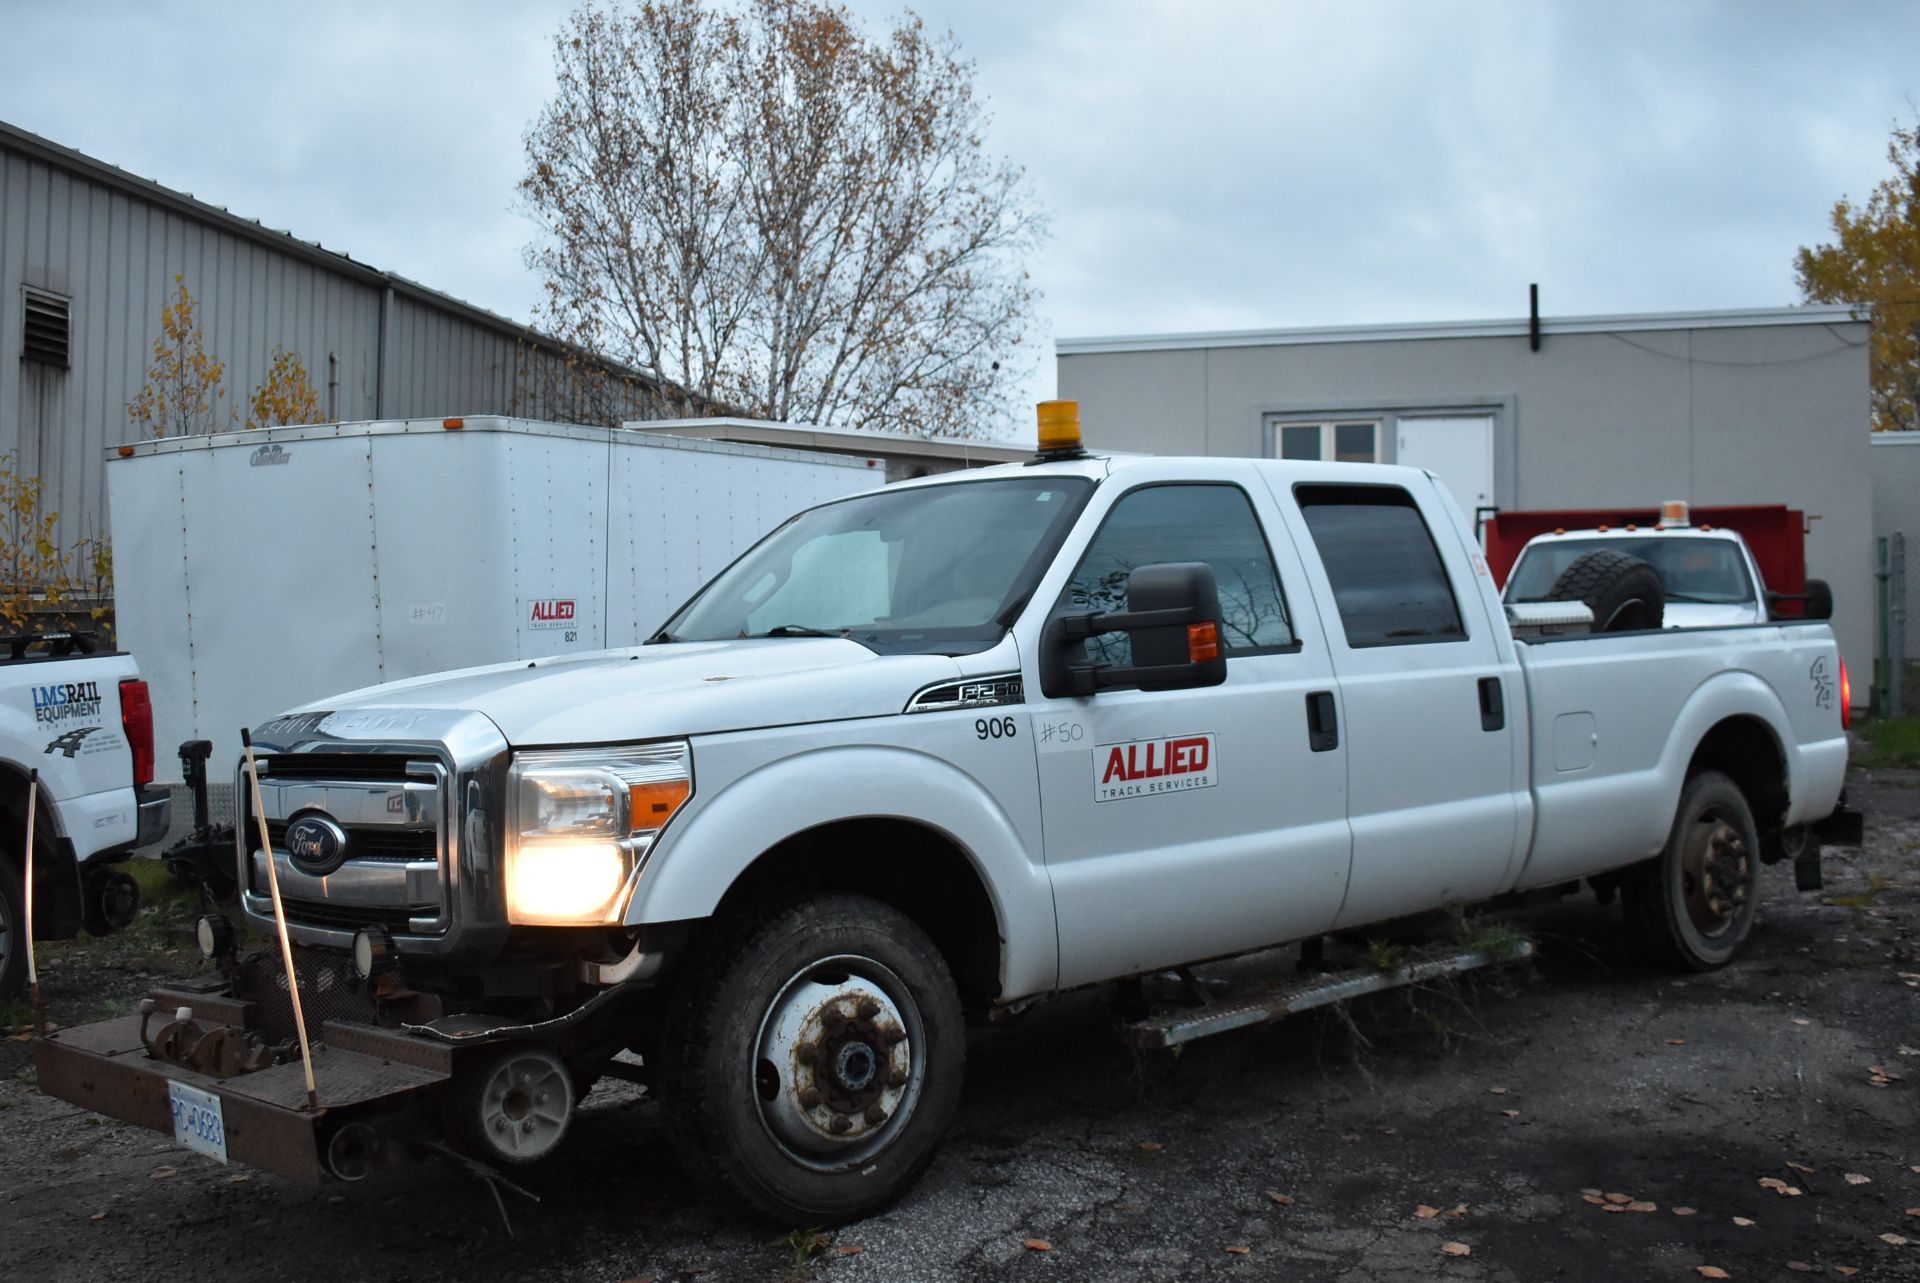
[[1323, 725], [1493, 705]]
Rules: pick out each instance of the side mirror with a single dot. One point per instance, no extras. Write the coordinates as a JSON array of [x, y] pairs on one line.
[[1173, 619], [1815, 603], [1819, 599]]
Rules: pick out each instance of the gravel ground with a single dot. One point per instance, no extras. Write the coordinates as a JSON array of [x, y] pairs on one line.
[[1491, 1105]]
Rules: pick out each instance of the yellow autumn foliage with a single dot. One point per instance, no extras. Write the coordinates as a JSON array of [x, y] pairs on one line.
[[286, 395], [183, 383]]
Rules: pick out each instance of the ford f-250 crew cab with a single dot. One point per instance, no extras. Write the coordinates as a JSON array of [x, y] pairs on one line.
[[938, 748]]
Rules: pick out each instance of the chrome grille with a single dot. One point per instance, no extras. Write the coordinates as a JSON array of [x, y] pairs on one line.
[[392, 809]]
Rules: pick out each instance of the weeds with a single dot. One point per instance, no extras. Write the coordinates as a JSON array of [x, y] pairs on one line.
[[1385, 956], [1889, 742], [1876, 885], [805, 1245]]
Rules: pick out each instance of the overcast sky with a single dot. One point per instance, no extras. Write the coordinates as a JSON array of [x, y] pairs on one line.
[[1206, 166]]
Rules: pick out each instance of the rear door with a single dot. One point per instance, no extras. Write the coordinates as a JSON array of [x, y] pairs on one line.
[[1428, 706], [1190, 823]]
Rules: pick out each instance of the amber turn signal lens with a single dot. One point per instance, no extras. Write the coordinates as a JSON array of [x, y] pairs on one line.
[[654, 803], [1846, 697], [453, 425], [1203, 642]]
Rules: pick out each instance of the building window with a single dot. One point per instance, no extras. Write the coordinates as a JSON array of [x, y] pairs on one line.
[[46, 328], [1331, 441]]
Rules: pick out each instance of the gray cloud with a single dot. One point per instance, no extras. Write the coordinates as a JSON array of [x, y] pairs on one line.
[[1207, 165]]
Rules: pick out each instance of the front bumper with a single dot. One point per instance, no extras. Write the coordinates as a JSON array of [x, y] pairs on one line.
[[362, 1074]]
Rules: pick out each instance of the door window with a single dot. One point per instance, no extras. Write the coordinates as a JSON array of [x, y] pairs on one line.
[[1382, 563], [1210, 523]]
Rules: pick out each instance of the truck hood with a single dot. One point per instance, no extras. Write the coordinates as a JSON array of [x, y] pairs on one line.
[[685, 688]]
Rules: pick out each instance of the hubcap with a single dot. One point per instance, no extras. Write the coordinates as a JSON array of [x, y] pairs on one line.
[[1714, 873], [835, 1067], [525, 1104]]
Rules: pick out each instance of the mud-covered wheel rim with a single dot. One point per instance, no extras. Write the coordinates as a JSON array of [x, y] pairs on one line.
[[839, 1062], [1715, 873]]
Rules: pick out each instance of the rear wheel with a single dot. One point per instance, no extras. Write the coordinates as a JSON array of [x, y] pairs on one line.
[[1622, 591], [13, 932], [1694, 903], [814, 1059]]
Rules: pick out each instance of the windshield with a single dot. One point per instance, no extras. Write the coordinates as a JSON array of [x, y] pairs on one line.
[[930, 570], [1698, 570]]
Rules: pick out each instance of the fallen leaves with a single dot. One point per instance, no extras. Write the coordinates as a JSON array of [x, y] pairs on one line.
[[1622, 1199], [1239, 1249], [1595, 1199], [1712, 1272], [1847, 1270], [1801, 1167], [1510, 1113], [98, 1216], [1913, 1211], [1676, 1042], [1452, 1248], [1152, 1146], [1855, 1178], [1496, 1091], [1683, 1211], [1641, 1205], [1800, 1267], [1779, 1186], [161, 1174], [1744, 1222], [1037, 1245], [850, 1249], [1283, 1200], [1898, 1240], [1426, 1213]]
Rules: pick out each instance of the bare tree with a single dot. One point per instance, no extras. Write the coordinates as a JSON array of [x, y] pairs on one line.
[[773, 211]]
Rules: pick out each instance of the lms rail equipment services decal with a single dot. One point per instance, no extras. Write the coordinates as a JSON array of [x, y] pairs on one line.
[[66, 702], [1149, 768]]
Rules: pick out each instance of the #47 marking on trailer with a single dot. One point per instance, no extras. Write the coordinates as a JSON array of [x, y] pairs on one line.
[[1150, 768]]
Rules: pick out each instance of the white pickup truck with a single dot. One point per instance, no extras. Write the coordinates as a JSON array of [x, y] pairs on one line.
[[932, 750], [83, 721]]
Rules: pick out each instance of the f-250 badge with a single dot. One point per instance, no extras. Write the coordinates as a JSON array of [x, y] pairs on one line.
[[1822, 684], [1147, 768]]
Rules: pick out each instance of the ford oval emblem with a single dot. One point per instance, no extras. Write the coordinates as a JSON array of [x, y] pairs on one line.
[[316, 845]]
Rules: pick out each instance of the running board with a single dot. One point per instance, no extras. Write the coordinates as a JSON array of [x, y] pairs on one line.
[[1171, 1028]]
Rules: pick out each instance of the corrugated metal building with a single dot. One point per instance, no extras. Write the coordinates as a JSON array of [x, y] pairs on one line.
[[1762, 406], [88, 256]]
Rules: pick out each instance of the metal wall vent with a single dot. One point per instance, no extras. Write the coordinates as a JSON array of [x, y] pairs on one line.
[[47, 330]]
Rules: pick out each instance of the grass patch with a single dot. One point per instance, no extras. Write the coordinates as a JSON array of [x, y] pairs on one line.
[[1888, 741]]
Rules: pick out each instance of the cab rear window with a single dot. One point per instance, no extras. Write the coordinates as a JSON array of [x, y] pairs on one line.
[[1383, 566]]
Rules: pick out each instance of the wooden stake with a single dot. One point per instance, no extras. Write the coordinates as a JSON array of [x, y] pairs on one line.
[[280, 918], [33, 975]]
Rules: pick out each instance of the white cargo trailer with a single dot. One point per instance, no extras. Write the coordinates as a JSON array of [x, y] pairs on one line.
[[254, 571]]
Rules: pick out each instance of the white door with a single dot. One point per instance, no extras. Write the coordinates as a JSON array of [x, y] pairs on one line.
[[1188, 824], [1458, 449]]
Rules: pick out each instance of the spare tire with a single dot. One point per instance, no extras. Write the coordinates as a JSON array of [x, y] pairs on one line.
[[1621, 590]]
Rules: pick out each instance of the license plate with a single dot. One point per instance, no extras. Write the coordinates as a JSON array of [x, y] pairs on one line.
[[197, 1122]]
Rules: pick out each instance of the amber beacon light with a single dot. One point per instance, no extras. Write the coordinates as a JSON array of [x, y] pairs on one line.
[[1060, 430]]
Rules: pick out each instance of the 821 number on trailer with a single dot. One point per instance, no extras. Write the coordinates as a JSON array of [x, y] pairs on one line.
[[994, 728]]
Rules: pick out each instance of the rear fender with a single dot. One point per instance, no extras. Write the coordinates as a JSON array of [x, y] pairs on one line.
[[693, 867]]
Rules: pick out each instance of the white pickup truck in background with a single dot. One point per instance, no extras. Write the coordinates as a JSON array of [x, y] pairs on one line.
[[945, 747], [1708, 577], [84, 722]]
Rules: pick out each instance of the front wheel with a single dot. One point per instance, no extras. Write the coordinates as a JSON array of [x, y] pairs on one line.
[[1694, 903], [815, 1057]]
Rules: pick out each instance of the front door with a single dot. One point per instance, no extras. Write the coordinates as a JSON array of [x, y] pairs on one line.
[[1187, 824], [1458, 449]]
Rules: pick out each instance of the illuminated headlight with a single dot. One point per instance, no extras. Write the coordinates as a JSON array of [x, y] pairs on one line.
[[579, 824]]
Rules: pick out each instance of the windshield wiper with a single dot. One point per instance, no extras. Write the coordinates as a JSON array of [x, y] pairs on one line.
[[662, 636], [801, 630]]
